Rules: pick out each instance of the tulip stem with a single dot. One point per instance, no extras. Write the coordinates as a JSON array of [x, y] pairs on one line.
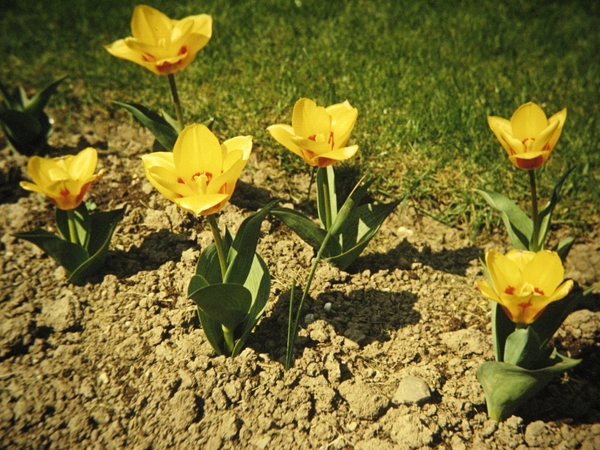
[[72, 229], [534, 212], [228, 334], [214, 226], [293, 331], [176, 101], [312, 179]]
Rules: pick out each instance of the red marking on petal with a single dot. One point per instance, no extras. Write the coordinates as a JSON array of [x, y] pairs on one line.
[[64, 192], [538, 291], [182, 50], [313, 137], [180, 180], [331, 140], [510, 290], [530, 164], [538, 314], [508, 313]]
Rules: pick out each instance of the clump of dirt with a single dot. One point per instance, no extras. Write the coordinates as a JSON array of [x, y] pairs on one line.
[[386, 357]]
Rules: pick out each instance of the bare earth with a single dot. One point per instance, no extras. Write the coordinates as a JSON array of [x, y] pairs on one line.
[[122, 363]]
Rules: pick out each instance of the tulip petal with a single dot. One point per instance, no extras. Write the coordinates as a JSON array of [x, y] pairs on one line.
[[202, 204], [504, 272], [150, 25], [197, 151], [284, 134], [487, 290], [502, 129], [562, 291], [528, 121], [541, 142], [559, 117], [340, 154], [342, 124], [82, 166], [545, 271], [308, 119]]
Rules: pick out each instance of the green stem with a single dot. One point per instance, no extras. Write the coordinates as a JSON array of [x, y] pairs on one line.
[[312, 179], [72, 230], [534, 212], [214, 226], [176, 101], [294, 331], [327, 201]]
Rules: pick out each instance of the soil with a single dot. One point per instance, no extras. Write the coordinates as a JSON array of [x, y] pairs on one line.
[[386, 357]]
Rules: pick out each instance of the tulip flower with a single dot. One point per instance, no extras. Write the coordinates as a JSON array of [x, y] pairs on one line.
[[64, 180], [160, 44], [200, 174], [317, 134], [525, 282], [529, 137]]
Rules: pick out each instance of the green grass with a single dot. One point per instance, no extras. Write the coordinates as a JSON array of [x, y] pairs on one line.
[[423, 74]]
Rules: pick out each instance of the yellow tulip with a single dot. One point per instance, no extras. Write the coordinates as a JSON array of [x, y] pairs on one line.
[[529, 137], [64, 180], [525, 282], [200, 174], [317, 134], [160, 44]]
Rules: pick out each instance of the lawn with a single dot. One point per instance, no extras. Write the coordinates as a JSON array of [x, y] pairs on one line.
[[423, 74]]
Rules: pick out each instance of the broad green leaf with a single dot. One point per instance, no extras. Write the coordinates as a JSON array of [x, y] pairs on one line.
[[365, 221], [24, 132], [353, 200], [65, 253], [545, 215], [38, 102], [502, 327], [326, 196], [243, 248], [523, 349], [227, 303], [160, 128], [555, 314], [507, 386], [307, 230], [212, 328], [518, 225], [258, 284], [103, 225], [83, 224], [564, 247], [171, 121]]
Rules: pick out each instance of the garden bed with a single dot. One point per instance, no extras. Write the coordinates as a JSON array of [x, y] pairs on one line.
[[121, 362]]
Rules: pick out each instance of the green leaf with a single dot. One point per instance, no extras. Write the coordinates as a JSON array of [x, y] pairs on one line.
[[523, 349], [103, 225], [518, 225], [361, 226], [341, 220], [545, 215], [212, 328], [65, 253], [241, 254], [160, 128], [258, 284], [555, 314], [83, 224], [502, 327], [171, 121], [39, 101], [507, 386], [24, 132], [307, 230], [227, 303], [564, 247], [326, 204]]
